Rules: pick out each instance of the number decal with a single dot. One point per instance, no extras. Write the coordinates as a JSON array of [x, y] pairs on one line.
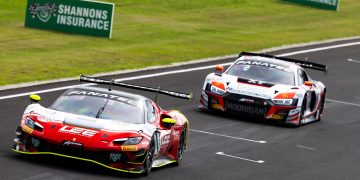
[[246, 67], [165, 140]]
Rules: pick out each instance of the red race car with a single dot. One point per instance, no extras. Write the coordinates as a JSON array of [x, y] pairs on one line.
[[115, 129]]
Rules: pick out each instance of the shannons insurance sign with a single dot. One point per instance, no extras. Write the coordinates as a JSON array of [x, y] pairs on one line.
[[324, 4], [72, 16]]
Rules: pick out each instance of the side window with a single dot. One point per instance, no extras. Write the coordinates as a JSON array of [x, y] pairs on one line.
[[302, 77], [151, 114]]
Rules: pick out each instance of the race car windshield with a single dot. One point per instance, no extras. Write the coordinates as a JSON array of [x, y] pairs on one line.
[[90, 105], [262, 73]]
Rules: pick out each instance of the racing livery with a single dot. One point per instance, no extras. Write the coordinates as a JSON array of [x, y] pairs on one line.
[[115, 129], [267, 87]]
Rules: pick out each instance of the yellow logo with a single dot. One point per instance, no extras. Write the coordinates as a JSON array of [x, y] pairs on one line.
[[129, 148], [27, 129]]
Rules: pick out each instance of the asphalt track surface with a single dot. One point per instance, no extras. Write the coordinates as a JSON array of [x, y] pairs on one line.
[[329, 149]]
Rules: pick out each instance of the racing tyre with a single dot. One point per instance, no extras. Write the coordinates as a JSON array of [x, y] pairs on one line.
[[322, 105], [302, 112], [181, 147], [149, 158]]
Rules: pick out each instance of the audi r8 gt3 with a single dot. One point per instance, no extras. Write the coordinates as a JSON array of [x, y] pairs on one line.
[[115, 129], [266, 87]]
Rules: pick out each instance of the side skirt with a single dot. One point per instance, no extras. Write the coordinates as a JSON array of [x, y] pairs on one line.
[[83, 159]]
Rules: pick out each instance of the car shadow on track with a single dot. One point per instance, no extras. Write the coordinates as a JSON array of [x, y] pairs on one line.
[[69, 165], [250, 120]]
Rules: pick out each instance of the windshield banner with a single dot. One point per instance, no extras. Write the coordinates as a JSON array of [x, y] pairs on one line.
[[323, 4], [71, 16]]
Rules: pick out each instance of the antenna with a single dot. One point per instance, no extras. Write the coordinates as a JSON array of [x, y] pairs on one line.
[[111, 82], [156, 94]]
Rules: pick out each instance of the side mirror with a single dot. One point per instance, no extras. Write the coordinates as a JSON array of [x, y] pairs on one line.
[[219, 70], [168, 122], [308, 83], [35, 98]]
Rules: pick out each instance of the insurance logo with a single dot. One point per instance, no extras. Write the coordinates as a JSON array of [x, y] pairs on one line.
[[43, 12]]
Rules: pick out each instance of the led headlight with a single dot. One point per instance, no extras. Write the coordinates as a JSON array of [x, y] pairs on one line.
[[30, 123], [132, 141], [285, 102], [217, 90]]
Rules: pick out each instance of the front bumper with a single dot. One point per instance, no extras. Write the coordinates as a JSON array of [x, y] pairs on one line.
[[250, 107], [129, 162]]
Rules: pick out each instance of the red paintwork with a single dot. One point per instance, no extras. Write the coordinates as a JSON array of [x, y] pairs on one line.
[[98, 141]]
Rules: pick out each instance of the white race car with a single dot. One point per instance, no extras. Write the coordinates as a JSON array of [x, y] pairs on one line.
[[267, 87]]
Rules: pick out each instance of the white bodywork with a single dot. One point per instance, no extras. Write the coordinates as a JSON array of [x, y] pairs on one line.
[[255, 89], [46, 115]]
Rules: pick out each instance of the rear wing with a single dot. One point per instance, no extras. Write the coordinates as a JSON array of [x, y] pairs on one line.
[[304, 64], [138, 87]]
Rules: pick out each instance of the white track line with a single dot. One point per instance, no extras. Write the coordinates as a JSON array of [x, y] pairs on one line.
[[321, 49], [121, 79], [304, 147], [255, 161], [353, 60], [232, 137], [174, 72], [343, 102]]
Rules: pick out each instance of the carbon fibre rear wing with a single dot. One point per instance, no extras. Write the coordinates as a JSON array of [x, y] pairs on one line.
[[304, 64], [138, 87]]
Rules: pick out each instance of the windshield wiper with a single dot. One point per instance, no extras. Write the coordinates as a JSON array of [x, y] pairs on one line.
[[100, 112]]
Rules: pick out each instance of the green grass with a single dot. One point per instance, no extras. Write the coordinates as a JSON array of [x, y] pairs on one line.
[[153, 32]]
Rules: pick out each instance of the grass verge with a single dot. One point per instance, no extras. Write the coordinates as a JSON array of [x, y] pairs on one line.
[[155, 32]]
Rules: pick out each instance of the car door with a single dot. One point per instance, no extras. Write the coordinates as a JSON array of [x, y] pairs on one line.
[[163, 134], [310, 90]]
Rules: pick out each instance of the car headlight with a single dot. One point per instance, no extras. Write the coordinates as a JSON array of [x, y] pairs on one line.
[[30, 123], [217, 90], [132, 141], [286, 102]]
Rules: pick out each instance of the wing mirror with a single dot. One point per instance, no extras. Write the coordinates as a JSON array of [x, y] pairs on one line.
[[168, 122], [308, 83], [219, 70], [35, 98]]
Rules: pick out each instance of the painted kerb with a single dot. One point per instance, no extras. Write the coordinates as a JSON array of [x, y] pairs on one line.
[[323, 4], [71, 16]]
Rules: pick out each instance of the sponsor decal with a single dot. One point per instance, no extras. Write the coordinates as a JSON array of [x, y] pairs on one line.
[[246, 100], [246, 90], [78, 131], [259, 63], [43, 118], [294, 111], [81, 17], [72, 144], [250, 90], [257, 82], [252, 81], [43, 12], [103, 95], [216, 106], [27, 129], [323, 4], [115, 156], [129, 148], [35, 142], [246, 109], [277, 116]]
